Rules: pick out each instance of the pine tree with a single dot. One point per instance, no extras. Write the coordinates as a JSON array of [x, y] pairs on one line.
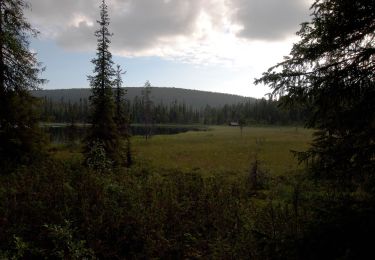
[[147, 109], [20, 137], [122, 117], [331, 71], [103, 128]]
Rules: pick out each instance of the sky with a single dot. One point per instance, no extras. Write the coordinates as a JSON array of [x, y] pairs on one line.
[[210, 45]]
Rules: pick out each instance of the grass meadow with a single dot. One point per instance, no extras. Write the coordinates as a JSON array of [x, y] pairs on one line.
[[219, 150], [222, 149]]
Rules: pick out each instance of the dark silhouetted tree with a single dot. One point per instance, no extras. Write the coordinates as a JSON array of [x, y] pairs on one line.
[[331, 71], [103, 129], [147, 109], [20, 138], [122, 117]]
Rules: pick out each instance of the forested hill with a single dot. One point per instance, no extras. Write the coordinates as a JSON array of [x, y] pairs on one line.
[[194, 98]]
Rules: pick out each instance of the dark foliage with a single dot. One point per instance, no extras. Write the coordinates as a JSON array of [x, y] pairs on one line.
[[122, 119], [103, 128], [20, 138], [248, 113], [147, 110], [331, 71], [65, 210], [68, 211]]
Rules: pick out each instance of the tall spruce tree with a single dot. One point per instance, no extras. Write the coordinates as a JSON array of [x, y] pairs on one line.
[[103, 131], [331, 71], [122, 118], [20, 137], [147, 109]]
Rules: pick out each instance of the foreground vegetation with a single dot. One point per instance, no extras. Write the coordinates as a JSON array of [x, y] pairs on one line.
[[61, 209], [199, 207]]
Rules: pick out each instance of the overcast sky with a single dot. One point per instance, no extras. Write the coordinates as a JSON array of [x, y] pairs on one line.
[[213, 45]]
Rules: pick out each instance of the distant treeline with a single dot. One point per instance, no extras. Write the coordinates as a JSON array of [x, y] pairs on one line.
[[195, 98], [260, 111]]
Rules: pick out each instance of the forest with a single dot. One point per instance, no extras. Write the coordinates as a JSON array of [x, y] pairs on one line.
[[251, 111], [291, 178], [159, 95]]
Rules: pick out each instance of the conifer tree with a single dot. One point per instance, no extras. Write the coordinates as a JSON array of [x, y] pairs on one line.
[[331, 71], [122, 117], [103, 128], [147, 109], [20, 137]]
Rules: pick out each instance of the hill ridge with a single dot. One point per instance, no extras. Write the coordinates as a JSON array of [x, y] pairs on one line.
[[165, 95]]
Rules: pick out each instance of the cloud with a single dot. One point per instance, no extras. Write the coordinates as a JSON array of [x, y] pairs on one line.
[[138, 24], [145, 23], [53, 17], [194, 31], [78, 37], [269, 19]]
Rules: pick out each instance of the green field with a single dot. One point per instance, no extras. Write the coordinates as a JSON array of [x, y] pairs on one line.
[[223, 149]]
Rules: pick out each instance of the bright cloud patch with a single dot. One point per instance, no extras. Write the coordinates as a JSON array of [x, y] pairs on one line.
[[210, 31]]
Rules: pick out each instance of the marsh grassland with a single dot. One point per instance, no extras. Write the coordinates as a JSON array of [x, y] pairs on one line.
[[222, 149]]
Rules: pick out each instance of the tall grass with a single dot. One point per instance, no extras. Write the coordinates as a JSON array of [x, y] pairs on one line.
[[223, 149]]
